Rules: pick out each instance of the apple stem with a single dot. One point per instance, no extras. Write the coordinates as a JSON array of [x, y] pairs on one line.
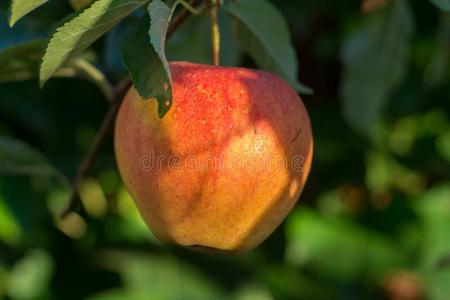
[[215, 32]]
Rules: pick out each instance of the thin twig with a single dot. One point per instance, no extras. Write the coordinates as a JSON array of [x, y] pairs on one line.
[[108, 121], [180, 19]]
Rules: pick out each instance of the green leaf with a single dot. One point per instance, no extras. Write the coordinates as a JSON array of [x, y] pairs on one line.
[[436, 285], [316, 241], [375, 60], [10, 231], [192, 42], [79, 4], [84, 29], [31, 276], [442, 4], [20, 8], [18, 158], [433, 208], [149, 274], [21, 62], [145, 59], [263, 33], [160, 15]]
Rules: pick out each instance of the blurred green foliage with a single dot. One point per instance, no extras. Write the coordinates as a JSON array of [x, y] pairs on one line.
[[373, 221]]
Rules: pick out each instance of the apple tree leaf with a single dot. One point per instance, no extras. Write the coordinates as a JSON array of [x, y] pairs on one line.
[[21, 62], [83, 30], [20, 8], [315, 240], [144, 57], [79, 4], [18, 158], [375, 62], [442, 4], [267, 42], [160, 15]]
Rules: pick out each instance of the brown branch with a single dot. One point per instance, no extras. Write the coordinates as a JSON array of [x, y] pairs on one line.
[[108, 120], [180, 19]]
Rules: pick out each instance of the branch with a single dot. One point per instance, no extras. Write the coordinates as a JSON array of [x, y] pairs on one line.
[[180, 18], [108, 120]]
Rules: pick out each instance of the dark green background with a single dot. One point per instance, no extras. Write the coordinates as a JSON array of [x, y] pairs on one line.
[[373, 221]]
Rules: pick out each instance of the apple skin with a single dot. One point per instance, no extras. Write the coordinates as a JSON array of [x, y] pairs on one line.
[[225, 165]]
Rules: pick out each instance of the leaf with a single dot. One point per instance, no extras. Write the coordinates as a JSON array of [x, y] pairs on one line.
[[31, 276], [18, 158], [375, 60], [160, 15], [79, 4], [81, 31], [191, 42], [442, 4], [21, 62], [10, 231], [315, 241], [138, 270], [145, 60], [20, 8], [433, 208], [267, 42]]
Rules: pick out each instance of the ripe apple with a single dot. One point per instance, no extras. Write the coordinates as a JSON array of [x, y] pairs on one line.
[[225, 165]]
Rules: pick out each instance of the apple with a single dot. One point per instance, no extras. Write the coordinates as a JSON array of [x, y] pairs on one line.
[[223, 168]]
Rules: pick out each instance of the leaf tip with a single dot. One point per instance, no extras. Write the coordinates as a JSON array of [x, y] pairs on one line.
[[42, 80], [11, 22]]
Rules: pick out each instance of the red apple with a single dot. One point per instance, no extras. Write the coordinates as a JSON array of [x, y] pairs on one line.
[[226, 164]]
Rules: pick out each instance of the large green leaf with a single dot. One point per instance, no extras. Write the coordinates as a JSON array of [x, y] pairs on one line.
[[144, 57], [442, 4], [376, 60], [262, 32], [84, 29], [20, 8]]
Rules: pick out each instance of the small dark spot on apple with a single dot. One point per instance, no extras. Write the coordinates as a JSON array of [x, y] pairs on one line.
[[296, 135]]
